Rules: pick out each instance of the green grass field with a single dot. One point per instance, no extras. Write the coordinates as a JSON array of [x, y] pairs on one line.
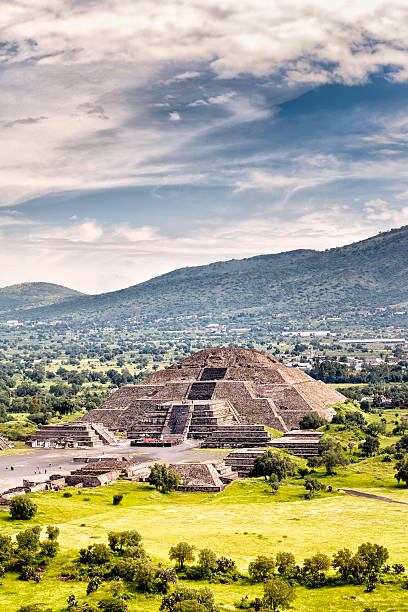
[[241, 522]]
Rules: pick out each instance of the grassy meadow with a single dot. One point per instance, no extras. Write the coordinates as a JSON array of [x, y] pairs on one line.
[[243, 521]]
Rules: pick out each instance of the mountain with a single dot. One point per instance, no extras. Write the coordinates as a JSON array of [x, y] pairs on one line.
[[363, 275], [28, 295]]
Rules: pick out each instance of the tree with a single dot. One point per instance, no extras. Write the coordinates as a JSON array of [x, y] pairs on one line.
[[93, 585], [312, 485], [273, 463], [342, 561], [144, 575], [118, 540], [163, 479], [285, 563], [273, 482], [332, 458], [374, 556], [22, 508], [207, 562], [313, 569], [52, 532], [402, 473], [49, 548], [261, 569], [182, 593], [278, 594], [95, 554], [6, 549], [181, 553], [311, 420], [402, 444], [370, 446], [29, 539], [372, 581]]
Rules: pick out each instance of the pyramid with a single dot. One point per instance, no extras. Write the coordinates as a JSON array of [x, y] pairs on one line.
[[241, 385]]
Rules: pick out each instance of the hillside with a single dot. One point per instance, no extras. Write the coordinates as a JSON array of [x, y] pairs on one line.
[[367, 274], [29, 295]]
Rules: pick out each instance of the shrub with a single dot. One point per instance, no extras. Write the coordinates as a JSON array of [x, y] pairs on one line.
[[112, 604], [67, 494], [311, 420], [117, 499], [22, 508]]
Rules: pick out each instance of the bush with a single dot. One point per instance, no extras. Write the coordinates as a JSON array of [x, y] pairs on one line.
[[22, 508], [311, 420], [112, 604], [67, 494], [117, 499]]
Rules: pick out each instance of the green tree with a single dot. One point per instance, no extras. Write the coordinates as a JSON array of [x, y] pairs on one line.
[[22, 508], [29, 539], [207, 562], [313, 569], [163, 479], [95, 554], [312, 485], [374, 556], [118, 540], [52, 532], [183, 593], [333, 458], [278, 594], [181, 553], [402, 473], [273, 463], [285, 563], [261, 569], [370, 446]]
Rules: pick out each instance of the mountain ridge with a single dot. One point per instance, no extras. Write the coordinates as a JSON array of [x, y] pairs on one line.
[[370, 272], [22, 296]]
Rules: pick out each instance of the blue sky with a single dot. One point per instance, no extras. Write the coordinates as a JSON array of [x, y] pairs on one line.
[[139, 137]]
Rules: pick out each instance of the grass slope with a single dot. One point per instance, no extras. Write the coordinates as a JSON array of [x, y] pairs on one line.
[[241, 522]]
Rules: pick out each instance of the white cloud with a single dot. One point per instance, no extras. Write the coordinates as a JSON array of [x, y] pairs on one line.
[[96, 257], [83, 119]]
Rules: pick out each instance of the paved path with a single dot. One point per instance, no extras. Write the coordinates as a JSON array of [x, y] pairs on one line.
[[371, 496], [39, 463]]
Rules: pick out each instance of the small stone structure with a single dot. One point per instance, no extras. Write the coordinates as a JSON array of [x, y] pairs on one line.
[[72, 435], [302, 443], [202, 477], [5, 443]]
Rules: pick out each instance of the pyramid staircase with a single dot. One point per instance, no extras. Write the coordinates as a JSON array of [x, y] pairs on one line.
[[207, 418], [238, 436]]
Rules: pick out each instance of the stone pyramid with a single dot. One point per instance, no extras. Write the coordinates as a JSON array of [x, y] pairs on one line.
[[253, 386]]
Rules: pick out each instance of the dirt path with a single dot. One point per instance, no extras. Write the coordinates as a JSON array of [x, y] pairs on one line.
[[371, 496]]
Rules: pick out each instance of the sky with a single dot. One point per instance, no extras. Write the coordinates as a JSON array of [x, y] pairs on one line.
[[141, 136]]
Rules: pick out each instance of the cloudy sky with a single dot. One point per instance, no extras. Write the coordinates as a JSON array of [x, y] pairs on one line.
[[139, 136]]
